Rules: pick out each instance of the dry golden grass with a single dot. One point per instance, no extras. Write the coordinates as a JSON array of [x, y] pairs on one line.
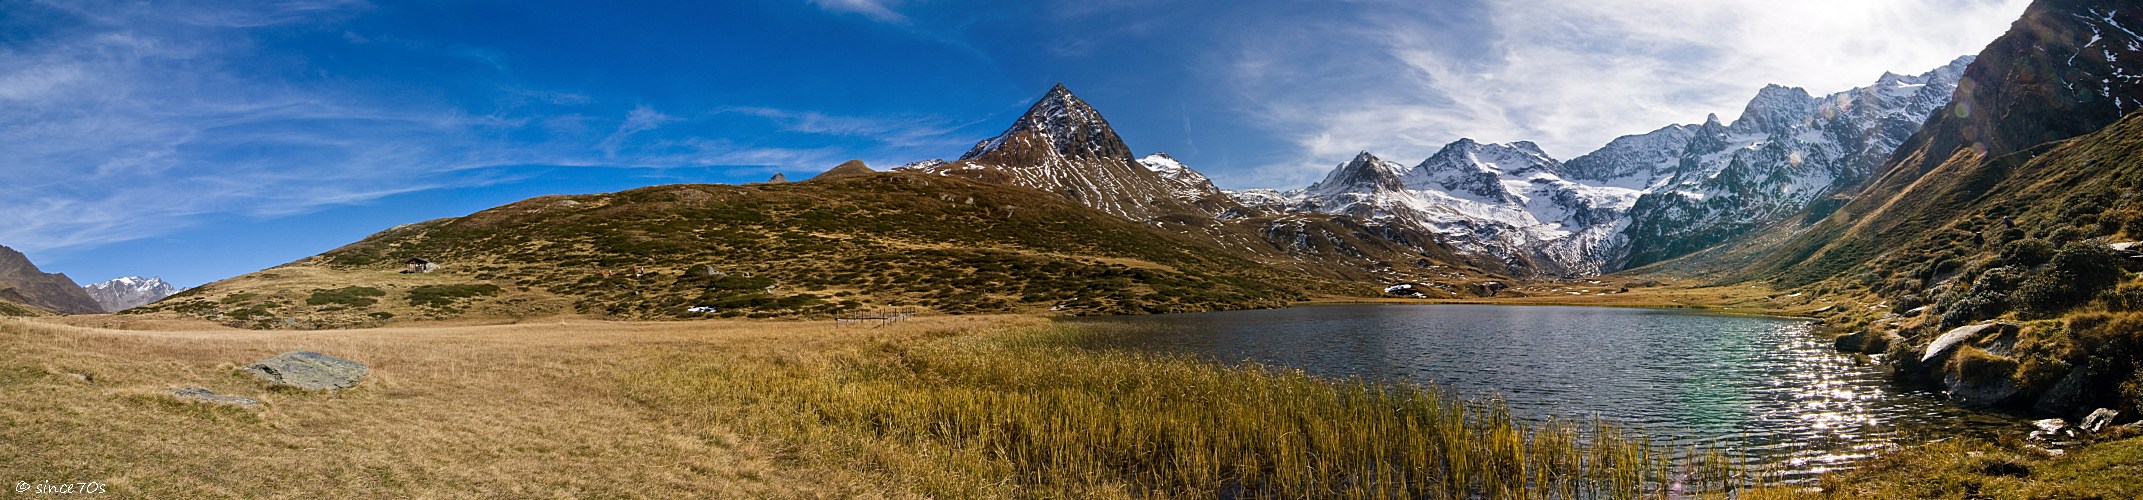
[[933, 407], [520, 410]]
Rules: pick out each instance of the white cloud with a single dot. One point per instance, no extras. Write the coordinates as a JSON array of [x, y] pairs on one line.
[[1573, 74], [641, 119], [877, 10]]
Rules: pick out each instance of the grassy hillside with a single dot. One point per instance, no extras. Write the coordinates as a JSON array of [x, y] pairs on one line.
[[11, 308], [2011, 239], [860, 243]]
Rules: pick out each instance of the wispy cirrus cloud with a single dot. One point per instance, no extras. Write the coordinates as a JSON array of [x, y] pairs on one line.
[[129, 121], [1573, 74], [878, 10]]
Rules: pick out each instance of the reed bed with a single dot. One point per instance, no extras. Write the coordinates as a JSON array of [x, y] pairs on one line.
[[1026, 412]]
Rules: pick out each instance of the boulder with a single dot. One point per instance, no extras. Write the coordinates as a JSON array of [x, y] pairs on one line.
[[2098, 420], [1852, 342], [308, 370], [1941, 348], [1866, 342], [2064, 396], [1917, 311], [206, 396], [1984, 390]]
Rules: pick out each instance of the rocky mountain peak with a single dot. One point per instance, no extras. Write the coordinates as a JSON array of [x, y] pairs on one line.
[[1633, 161], [1060, 124], [1475, 169], [1062, 145], [129, 292], [1776, 109], [1365, 174]]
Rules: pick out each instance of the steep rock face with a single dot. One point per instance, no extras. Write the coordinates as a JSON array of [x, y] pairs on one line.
[[1062, 145], [21, 281], [1788, 151], [129, 292]]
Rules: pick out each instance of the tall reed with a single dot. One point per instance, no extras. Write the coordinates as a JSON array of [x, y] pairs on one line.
[[1029, 412]]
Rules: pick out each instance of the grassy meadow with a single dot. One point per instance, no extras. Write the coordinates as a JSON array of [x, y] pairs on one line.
[[941, 407]]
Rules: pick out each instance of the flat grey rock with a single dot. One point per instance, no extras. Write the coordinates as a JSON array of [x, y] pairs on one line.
[[1949, 341], [205, 396], [309, 370]]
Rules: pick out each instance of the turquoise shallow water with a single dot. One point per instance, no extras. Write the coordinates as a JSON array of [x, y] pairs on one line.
[[1764, 389]]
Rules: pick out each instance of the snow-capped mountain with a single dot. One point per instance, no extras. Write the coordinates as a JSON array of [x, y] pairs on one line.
[[1506, 200], [129, 292], [1062, 145], [1187, 185], [1641, 198], [1787, 150]]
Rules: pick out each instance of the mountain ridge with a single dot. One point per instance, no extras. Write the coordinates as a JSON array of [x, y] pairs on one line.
[[21, 281]]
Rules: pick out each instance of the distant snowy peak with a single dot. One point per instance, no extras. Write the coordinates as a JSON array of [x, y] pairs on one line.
[[1633, 161], [129, 292], [921, 165], [1472, 168], [1365, 174], [1187, 185], [1170, 168], [1776, 109], [1786, 150]]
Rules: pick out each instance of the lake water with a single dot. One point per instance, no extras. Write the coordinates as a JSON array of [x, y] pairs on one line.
[[1765, 389]]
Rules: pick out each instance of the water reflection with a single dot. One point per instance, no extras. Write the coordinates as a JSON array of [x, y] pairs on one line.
[[1762, 389]]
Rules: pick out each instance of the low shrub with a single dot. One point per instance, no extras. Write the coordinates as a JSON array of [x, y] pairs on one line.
[[353, 296], [446, 295]]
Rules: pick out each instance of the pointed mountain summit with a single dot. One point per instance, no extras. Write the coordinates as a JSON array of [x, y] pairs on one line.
[[1365, 174], [1062, 145], [1471, 169], [21, 281], [849, 168]]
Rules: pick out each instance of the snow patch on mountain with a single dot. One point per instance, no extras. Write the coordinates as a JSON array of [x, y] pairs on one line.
[[1186, 184]]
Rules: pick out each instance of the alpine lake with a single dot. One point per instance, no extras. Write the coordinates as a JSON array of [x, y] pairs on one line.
[[1766, 391]]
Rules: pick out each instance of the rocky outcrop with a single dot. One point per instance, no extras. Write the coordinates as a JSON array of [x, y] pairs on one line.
[[309, 370], [205, 396], [2098, 420]]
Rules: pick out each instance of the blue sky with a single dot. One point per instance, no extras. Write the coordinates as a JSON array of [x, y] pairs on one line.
[[202, 140]]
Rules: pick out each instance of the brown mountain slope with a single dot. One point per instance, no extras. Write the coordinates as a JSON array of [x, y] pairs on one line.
[[22, 282], [849, 168], [861, 243]]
